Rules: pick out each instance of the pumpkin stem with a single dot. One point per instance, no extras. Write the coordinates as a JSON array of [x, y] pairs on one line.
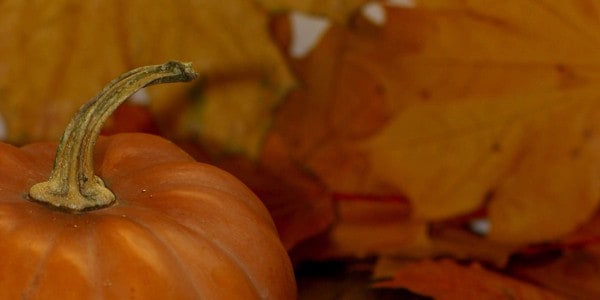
[[72, 185]]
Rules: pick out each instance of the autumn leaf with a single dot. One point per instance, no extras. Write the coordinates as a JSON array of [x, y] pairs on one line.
[[336, 10], [570, 266], [58, 55], [501, 146], [574, 273], [459, 107], [366, 228], [455, 109], [446, 279]]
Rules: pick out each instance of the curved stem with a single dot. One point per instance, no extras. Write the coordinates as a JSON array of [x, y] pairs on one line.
[[72, 184]]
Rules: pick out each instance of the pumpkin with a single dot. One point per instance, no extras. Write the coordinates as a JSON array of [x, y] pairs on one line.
[[131, 216]]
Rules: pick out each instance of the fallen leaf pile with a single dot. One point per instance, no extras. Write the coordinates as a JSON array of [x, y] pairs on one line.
[[404, 110], [447, 280], [473, 113], [457, 142]]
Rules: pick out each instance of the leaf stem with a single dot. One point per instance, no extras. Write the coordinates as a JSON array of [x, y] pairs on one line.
[[72, 185]]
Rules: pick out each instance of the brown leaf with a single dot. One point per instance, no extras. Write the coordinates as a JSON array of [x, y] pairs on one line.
[[365, 228], [571, 266], [461, 244], [576, 273], [446, 279]]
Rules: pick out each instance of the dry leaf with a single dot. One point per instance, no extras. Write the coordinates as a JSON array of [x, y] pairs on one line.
[[461, 244], [571, 266], [529, 157], [455, 107], [337, 10], [61, 53], [446, 279], [367, 228], [576, 273], [299, 204]]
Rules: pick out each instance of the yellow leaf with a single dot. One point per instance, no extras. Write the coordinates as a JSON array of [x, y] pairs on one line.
[[515, 31], [61, 53], [337, 10], [530, 153]]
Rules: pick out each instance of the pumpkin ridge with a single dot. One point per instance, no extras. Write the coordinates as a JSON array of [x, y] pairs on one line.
[[14, 213], [235, 260], [34, 282], [127, 241], [214, 245], [267, 226], [219, 246], [165, 245], [92, 246]]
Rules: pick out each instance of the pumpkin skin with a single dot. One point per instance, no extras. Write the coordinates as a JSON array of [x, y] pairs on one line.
[[179, 229]]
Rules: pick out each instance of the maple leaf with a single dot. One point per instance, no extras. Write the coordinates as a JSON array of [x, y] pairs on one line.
[[570, 266], [456, 106], [366, 228], [575, 273], [446, 279], [61, 53], [336, 10]]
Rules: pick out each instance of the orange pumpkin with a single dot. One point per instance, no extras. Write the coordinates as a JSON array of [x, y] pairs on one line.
[[131, 216]]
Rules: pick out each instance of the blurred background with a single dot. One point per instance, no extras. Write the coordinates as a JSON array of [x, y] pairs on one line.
[[415, 149]]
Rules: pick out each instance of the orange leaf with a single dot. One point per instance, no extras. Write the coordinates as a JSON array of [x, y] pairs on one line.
[[453, 107], [337, 10], [575, 271], [446, 279], [366, 228]]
